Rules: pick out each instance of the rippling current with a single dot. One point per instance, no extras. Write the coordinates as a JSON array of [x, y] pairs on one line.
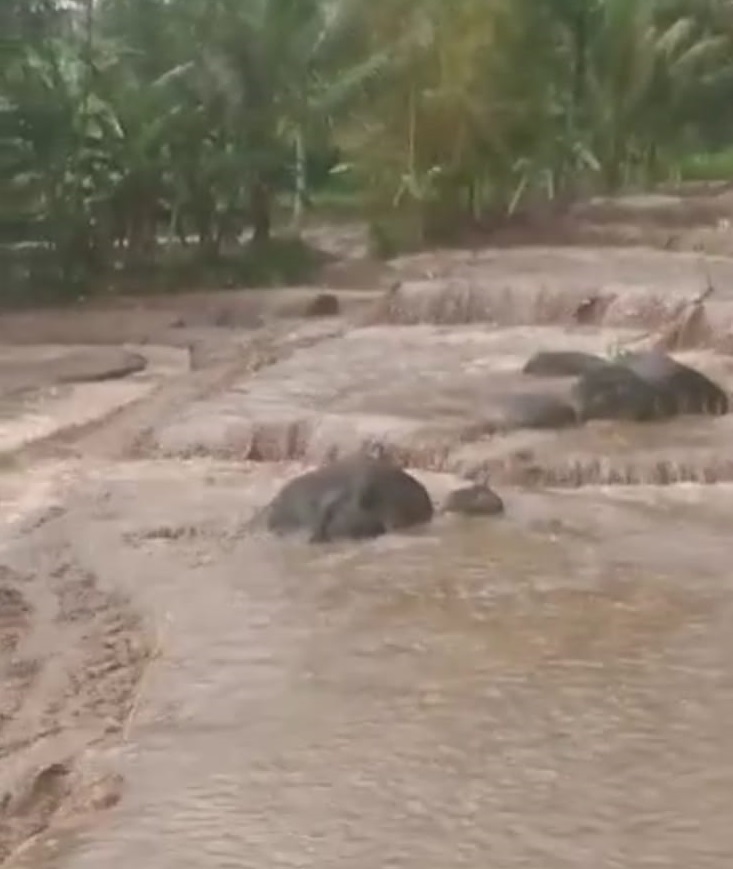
[[553, 689]]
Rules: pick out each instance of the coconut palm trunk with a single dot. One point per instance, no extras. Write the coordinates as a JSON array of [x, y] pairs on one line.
[[261, 206]]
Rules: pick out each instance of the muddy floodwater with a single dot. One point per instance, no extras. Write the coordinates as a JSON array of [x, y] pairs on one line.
[[550, 688]]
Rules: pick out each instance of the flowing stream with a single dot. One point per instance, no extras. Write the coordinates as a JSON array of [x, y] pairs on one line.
[[552, 689]]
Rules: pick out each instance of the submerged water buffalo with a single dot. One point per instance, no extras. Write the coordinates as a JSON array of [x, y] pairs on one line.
[[562, 363], [684, 389], [647, 386], [352, 498], [363, 496], [642, 386], [616, 392]]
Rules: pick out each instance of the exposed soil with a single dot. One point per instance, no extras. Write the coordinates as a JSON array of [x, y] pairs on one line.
[[103, 405], [71, 656]]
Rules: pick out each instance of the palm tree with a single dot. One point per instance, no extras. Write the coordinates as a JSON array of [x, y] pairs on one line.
[[645, 73], [280, 68]]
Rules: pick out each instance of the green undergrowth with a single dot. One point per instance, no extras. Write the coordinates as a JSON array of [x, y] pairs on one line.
[[714, 166], [33, 275]]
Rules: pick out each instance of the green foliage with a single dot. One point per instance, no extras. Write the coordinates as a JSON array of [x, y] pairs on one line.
[[707, 166], [126, 124]]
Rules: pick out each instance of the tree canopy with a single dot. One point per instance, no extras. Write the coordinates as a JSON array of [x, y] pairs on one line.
[[127, 123]]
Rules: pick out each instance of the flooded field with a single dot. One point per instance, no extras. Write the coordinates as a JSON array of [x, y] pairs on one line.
[[551, 688], [548, 688]]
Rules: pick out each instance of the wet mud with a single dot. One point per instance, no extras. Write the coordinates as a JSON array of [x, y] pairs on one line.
[[71, 656]]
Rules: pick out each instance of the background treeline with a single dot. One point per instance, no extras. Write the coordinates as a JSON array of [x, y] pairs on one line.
[[135, 133]]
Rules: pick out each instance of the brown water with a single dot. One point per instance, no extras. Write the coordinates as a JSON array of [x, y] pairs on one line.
[[432, 395], [552, 689]]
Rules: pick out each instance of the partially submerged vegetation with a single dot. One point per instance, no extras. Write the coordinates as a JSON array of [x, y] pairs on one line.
[[142, 137]]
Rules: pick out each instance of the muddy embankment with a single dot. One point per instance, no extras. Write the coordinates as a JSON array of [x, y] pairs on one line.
[[227, 406], [71, 657]]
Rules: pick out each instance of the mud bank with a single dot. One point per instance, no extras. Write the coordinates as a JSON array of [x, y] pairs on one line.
[[46, 389], [168, 319], [113, 417], [72, 652]]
